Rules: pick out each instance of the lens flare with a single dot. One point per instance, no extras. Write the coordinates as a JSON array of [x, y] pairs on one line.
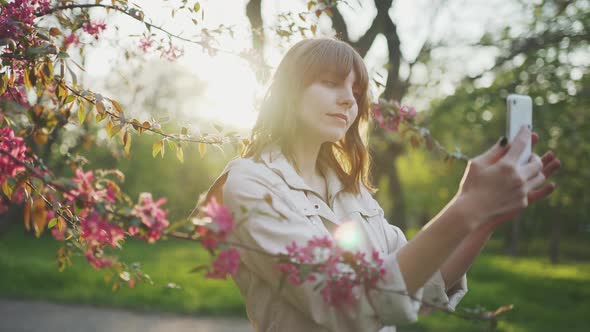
[[348, 235]]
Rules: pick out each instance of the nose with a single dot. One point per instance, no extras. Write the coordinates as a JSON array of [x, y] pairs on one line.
[[347, 99]]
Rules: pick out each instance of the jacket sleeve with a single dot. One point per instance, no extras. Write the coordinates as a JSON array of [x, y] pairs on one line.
[[247, 188], [435, 289]]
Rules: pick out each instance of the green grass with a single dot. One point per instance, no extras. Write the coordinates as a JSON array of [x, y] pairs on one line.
[[29, 271], [545, 297]]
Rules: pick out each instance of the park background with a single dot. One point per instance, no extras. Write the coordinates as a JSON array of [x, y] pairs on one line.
[[455, 61]]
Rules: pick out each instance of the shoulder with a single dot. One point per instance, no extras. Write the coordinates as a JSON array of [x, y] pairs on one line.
[[245, 172]]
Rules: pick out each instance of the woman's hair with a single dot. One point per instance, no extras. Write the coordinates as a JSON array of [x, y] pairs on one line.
[[303, 64]]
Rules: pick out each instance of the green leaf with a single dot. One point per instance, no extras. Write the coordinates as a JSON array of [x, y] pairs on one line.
[[156, 148], [52, 223], [180, 154], [7, 189], [197, 7], [70, 99], [202, 149], [81, 114]]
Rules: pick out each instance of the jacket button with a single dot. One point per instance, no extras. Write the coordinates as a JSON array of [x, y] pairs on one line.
[[316, 206]]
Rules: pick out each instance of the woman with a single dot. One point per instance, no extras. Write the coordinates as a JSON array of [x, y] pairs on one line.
[[308, 155]]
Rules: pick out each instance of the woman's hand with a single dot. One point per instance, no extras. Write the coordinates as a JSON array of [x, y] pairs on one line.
[[550, 165], [495, 188]]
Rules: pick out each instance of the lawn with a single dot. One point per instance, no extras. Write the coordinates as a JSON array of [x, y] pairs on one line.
[[545, 297]]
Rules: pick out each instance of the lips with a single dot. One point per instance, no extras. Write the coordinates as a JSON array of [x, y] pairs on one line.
[[341, 116]]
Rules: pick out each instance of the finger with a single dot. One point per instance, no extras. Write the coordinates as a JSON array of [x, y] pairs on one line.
[[532, 168], [535, 182], [541, 193], [534, 138], [518, 144], [547, 157], [494, 153], [551, 168]]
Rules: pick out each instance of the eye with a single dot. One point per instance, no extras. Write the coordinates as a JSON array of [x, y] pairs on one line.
[[329, 83]]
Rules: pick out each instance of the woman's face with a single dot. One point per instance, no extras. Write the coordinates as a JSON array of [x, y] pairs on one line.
[[328, 107]]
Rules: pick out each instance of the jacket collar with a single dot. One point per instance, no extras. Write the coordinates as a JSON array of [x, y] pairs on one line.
[[274, 159]]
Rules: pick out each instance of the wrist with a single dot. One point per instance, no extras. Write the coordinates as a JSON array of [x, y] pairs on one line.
[[469, 212]]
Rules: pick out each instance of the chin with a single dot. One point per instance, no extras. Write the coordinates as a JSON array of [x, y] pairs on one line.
[[334, 136]]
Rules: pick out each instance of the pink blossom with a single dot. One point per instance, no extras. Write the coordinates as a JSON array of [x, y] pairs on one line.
[[152, 216], [94, 28], [344, 273], [222, 223], [72, 39], [98, 232], [15, 147], [171, 53], [227, 262], [220, 215], [133, 230], [98, 262], [84, 189], [391, 122], [146, 43], [57, 234], [17, 17]]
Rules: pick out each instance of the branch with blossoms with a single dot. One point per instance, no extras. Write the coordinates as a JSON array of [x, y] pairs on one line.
[[390, 115]]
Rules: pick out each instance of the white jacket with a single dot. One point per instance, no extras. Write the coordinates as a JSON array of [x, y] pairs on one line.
[[245, 182]]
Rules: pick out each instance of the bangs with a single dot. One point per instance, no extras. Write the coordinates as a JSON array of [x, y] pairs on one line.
[[337, 59]]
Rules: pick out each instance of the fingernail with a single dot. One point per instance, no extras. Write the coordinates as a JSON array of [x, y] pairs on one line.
[[503, 141]]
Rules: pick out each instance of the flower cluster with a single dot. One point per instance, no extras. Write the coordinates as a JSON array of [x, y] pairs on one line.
[[97, 232], [17, 17], [71, 39], [227, 262], [16, 147], [213, 230], [217, 225], [391, 122], [153, 218], [94, 28], [87, 191], [146, 42], [344, 274]]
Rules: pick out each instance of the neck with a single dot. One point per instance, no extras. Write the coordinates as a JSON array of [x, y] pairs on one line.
[[305, 154]]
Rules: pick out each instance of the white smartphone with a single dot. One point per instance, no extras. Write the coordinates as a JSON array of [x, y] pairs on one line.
[[519, 113]]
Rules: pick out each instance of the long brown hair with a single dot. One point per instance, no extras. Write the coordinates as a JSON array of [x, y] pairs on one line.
[[276, 123]]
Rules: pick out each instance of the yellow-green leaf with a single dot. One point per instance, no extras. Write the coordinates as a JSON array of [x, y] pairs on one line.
[[180, 154], [100, 107], [117, 106], [60, 224], [52, 223], [172, 144], [81, 114], [202, 149], [127, 142], [100, 117], [197, 7], [69, 99], [7, 189], [156, 148], [3, 83], [27, 80]]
